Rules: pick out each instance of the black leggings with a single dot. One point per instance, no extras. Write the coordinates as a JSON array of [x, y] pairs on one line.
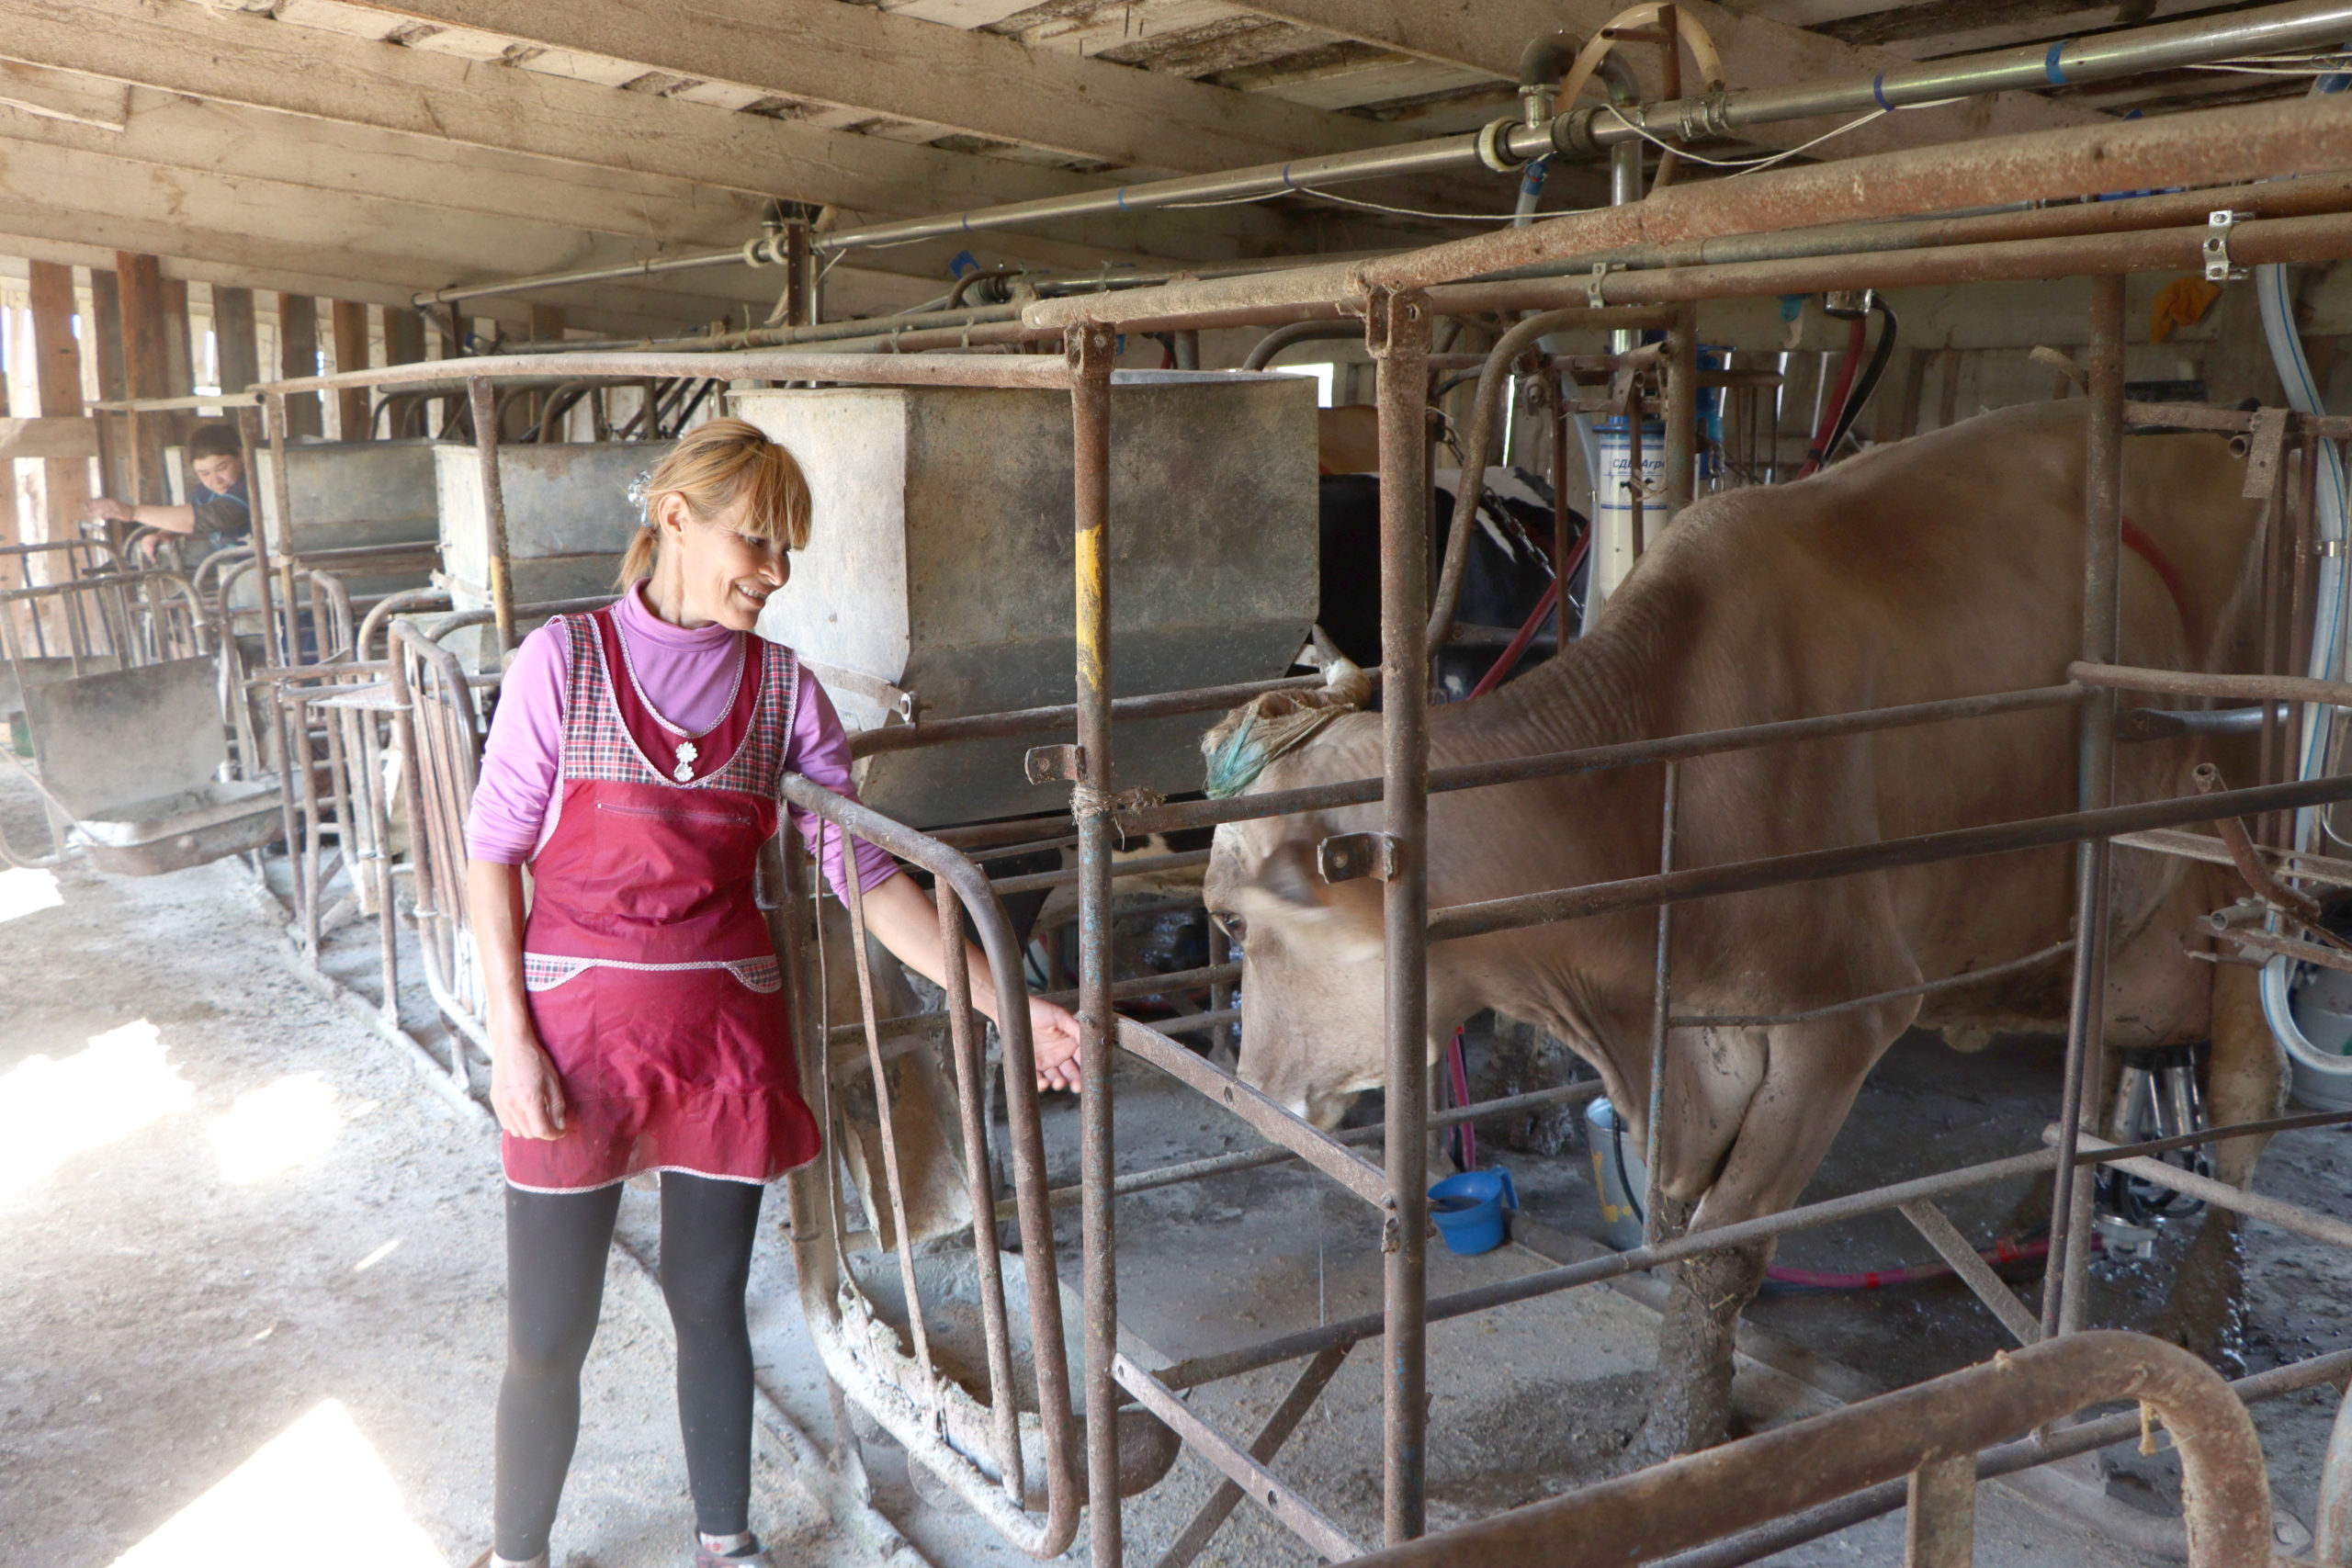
[[556, 1245]]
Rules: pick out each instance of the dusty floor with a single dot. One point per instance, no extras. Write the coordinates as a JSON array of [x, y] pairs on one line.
[[229, 1216]]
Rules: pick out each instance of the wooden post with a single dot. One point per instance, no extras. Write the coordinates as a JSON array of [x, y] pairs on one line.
[[234, 338], [179, 345], [404, 336], [57, 380], [404, 344], [297, 355], [352, 403], [546, 326], [106, 330], [146, 365]]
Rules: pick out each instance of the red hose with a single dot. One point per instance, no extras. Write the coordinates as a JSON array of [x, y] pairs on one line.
[[1509, 658], [1847, 363], [2006, 1250]]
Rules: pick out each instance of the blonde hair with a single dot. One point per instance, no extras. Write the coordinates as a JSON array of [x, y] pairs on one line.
[[714, 467]]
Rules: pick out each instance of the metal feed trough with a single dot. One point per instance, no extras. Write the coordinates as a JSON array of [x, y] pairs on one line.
[[936, 581], [553, 522], [367, 510], [130, 720]]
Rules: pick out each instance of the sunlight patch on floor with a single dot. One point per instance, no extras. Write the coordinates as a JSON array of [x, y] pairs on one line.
[[315, 1493], [27, 892], [50, 1111], [276, 1128]]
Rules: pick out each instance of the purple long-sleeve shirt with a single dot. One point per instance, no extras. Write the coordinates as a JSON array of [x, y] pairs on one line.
[[686, 675]]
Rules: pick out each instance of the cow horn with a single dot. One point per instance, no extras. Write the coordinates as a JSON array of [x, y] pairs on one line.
[[1274, 723]]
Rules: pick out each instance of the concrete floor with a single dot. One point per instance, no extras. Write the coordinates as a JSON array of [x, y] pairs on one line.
[[228, 1214]]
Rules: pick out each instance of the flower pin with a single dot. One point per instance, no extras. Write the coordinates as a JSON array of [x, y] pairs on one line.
[[684, 771]]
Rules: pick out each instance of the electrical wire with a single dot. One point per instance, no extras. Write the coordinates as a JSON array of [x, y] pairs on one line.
[[1743, 165]]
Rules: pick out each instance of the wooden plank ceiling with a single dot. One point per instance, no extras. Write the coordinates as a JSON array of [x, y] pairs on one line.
[[366, 150]]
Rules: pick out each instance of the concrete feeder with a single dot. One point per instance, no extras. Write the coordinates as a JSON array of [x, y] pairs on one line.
[[942, 564]]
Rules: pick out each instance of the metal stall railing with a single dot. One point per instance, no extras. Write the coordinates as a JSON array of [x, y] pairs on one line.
[[1397, 315], [1931, 1434]]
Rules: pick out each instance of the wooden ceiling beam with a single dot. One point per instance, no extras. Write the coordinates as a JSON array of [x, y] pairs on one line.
[[971, 83], [238, 58], [258, 232], [1757, 52]]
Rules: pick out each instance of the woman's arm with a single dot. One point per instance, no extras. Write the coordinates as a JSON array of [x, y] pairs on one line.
[[907, 922], [525, 1089]]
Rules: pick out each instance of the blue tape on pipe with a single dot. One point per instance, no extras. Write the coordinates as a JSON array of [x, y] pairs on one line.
[[1878, 91], [2049, 63]]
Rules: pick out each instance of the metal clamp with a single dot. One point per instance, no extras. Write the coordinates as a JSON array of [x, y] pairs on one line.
[[1592, 286], [1345, 857], [1055, 764], [2219, 268], [2332, 548]]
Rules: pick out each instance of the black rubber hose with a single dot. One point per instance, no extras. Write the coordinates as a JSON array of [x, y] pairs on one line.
[[1872, 375]]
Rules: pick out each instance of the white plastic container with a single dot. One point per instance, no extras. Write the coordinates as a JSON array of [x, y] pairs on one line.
[[2313, 1021], [1613, 551]]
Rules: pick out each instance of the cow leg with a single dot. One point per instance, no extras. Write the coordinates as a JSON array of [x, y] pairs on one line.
[[1813, 1074], [2245, 1081], [1690, 1402]]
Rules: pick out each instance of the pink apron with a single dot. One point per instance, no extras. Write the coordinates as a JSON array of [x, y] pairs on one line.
[[648, 966]]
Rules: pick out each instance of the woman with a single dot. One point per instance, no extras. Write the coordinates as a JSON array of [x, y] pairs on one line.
[[635, 1018]]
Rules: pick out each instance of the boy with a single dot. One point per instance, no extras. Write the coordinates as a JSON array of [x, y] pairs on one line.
[[221, 514]]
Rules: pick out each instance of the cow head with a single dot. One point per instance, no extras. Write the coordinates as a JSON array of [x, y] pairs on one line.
[[1311, 968], [1311, 949]]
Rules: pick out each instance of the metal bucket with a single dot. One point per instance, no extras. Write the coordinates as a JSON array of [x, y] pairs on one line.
[[1618, 1174]]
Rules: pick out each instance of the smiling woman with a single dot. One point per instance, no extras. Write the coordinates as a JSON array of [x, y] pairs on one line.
[[636, 1019]]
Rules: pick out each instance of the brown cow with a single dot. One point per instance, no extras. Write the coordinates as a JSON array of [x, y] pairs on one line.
[[1942, 565]]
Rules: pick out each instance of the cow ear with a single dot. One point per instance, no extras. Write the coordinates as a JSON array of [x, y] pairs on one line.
[[1287, 893], [1288, 874]]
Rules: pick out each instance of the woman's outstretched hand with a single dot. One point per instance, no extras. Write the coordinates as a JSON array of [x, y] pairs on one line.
[[1053, 1034]]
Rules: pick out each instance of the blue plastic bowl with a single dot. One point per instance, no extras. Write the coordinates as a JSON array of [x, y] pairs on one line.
[[1469, 1210]]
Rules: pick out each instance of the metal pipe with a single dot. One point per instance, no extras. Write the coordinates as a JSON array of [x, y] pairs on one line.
[[1048, 1536], [1039, 371], [1397, 333], [483, 403], [1682, 369], [1046, 720], [2070, 1219], [2290, 1217], [1661, 1016], [2009, 1459], [1593, 1271], [260, 541], [1089, 351], [2214, 146], [1459, 920], [1263, 1113], [288, 638], [1262, 352], [1278, 1154], [2197, 683], [1596, 759], [2299, 197], [956, 988], [2167, 46], [1692, 1499], [1494, 380]]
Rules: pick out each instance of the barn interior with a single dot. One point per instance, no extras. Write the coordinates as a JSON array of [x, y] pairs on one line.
[[1140, 357]]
